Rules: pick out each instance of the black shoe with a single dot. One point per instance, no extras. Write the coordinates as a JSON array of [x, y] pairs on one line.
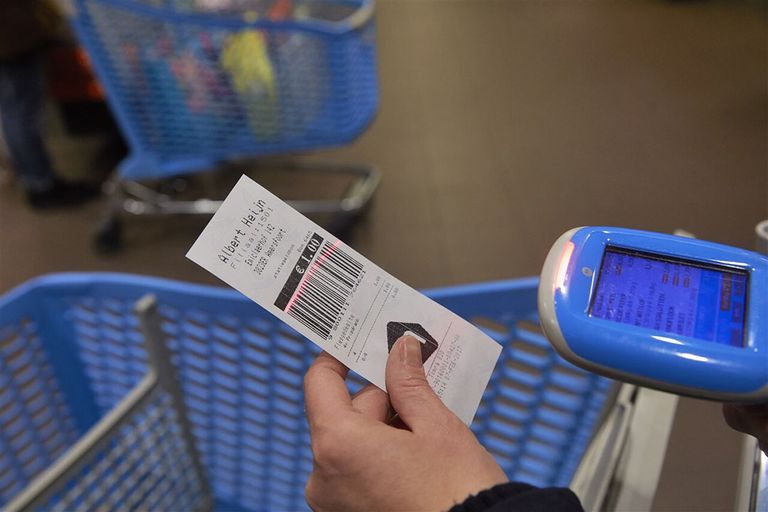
[[62, 194]]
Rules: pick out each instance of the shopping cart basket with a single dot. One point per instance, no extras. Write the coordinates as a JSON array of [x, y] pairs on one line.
[[197, 84], [72, 353]]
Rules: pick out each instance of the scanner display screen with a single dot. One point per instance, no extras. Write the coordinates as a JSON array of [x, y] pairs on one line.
[[677, 296]]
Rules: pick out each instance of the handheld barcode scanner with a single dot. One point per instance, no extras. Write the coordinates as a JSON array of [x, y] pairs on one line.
[[672, 313]]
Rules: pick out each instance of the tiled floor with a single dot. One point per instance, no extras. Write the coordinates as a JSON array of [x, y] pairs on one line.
[[502, 124]]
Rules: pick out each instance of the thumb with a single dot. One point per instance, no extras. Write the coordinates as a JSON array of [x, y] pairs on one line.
[[409, 392]]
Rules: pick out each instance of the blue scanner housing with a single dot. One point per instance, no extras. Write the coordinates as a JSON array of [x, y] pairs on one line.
[[668, 312]]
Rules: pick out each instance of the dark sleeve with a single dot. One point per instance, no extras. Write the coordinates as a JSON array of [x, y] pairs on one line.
[[514, 497]]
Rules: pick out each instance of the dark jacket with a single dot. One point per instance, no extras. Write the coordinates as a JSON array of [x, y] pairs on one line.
[[518, 497]]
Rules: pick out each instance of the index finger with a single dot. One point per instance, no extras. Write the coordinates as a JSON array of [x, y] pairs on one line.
[[325, 393]]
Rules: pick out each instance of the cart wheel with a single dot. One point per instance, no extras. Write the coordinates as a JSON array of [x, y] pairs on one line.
[[108, 237]]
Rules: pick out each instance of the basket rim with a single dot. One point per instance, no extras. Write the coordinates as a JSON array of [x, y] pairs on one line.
[[355, 21]]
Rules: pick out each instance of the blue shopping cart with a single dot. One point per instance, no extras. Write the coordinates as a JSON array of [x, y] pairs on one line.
[[198, 84], [193, 397]]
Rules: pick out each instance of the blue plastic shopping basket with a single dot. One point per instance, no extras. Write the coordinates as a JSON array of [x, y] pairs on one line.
[[194, 82], [197, 85], [71, 351]]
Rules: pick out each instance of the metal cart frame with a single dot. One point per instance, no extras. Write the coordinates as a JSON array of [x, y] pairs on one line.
[[65, 477]]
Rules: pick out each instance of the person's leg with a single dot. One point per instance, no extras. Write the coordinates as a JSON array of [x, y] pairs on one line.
[[22, 117], [22, 104]]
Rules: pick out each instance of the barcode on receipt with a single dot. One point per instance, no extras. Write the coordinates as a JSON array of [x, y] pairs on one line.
[[319, 286]]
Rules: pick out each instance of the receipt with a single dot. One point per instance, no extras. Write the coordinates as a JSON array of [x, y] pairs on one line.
[[337, 298]]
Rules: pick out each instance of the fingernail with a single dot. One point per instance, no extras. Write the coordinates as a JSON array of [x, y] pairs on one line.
[[410, 352]]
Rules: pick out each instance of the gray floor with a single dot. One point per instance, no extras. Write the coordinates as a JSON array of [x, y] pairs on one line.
[[502, 124]]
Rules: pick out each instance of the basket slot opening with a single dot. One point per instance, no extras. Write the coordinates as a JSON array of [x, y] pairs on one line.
[[490, 325]]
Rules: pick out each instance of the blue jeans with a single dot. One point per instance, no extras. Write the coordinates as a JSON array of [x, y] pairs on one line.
[[22, 116]]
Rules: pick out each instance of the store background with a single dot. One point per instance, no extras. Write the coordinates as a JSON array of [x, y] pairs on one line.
[[502, 124]]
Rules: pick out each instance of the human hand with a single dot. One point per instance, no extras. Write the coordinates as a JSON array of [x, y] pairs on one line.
[[750, 419], [431, 462]]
